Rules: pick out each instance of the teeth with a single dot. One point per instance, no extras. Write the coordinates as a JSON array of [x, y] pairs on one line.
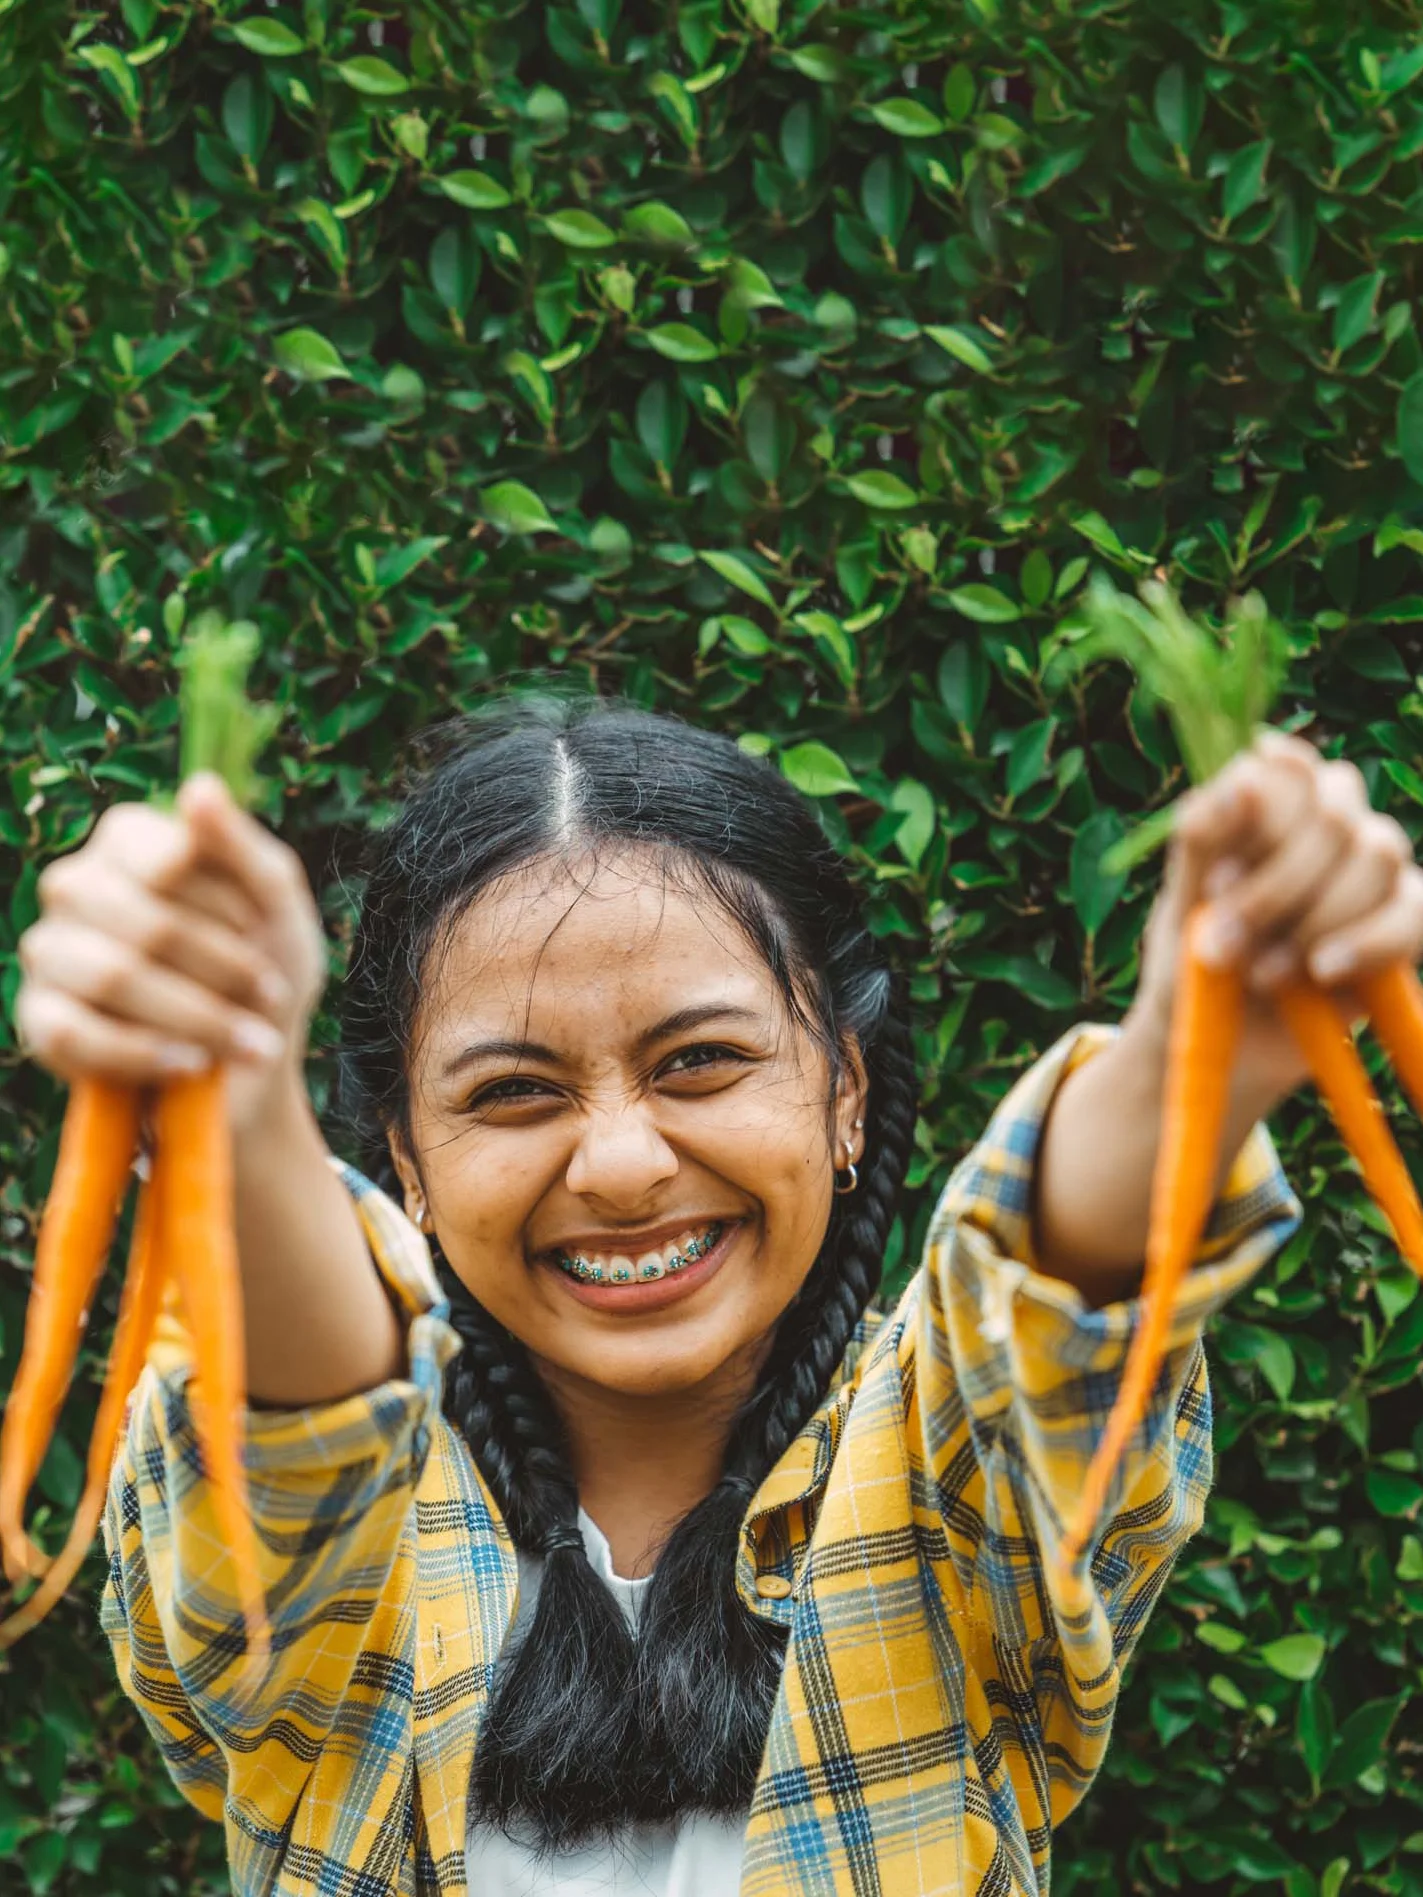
[[650, 1266]]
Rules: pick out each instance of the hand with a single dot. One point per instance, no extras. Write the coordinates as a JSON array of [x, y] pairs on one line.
[[1303, 879], [168, 941]]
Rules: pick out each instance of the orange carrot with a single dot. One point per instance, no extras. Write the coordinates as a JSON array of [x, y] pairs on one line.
[[1206, 1018], [138, 1312], [96, 1149], [1321, 1035], [1394, 1000], [199, 1234]]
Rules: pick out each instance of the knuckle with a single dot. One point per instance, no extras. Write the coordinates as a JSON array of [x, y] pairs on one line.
[[1386, 840], [53, 882], [161, 934], [114, 972]]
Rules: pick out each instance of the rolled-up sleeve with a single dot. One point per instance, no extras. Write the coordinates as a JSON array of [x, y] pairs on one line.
[[331, 1491], [1018, 1368]]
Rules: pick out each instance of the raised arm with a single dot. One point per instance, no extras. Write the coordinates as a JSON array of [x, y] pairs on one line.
[[1300, 870], [169, 941]]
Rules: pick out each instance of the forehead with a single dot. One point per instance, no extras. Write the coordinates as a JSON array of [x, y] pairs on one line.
[[560, 945]]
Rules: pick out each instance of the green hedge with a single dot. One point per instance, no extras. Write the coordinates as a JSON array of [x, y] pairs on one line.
[[784, 365]]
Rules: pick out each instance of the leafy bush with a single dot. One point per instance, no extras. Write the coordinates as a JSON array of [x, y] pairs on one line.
[[784, 365]]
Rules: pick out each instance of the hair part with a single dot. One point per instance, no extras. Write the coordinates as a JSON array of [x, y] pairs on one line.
[[683, 1709]]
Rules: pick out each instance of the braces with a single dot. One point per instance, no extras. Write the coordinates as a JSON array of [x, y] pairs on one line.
[[590, 1273]]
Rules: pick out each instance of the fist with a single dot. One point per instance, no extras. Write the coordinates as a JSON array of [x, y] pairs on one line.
[[1301, 878], [167, 942]]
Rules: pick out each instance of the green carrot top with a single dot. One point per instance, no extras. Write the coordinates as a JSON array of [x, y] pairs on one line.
[[1215, 687], [221, 730]]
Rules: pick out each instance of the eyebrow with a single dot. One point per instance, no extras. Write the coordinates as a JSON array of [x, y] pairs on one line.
[[683, 1021]]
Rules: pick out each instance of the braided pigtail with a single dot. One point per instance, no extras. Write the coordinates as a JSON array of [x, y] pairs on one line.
[[570, 1673], [707, 1669]]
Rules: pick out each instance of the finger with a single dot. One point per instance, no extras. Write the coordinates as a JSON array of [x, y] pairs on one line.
[[117, 980], [1366, 879], [76, 1042], [210, 953], [1212, 824], [151, 847], [1389, 934], [212, 894], [1271, 896], [226, 837]]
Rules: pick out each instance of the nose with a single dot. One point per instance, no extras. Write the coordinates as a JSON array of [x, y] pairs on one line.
[[621, 1158]]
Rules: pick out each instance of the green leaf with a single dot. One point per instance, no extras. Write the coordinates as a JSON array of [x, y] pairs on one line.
[[961, 345], [907, 118], [1028, 755], [375, 77], [1221, 1636], [476, 190], [1245, 178], [307, 355], [109, 61], [1094, 891], [1035, 578], [398, 563], [817, 770], [1294, 1656], [1180, 107], [1409, 422], [1392, 1492], [1276, 1364], [1037, 983], [1314, 1726], [917, 828], [579, 230], [963, 681], [1354, 312], [984, 603], [737, 572], [1362, 1741], [516, 509], [679, 342], [658, 223], [268, 37], [881, 490]]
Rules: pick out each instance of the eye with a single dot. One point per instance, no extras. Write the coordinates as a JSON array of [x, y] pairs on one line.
[[703, 1057], [517, 1090]]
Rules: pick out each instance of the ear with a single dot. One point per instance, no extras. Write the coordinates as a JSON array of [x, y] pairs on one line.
[[851, 1094], [405, 1168]]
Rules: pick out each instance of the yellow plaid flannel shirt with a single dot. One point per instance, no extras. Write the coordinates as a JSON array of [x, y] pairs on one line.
[[942, 1708]]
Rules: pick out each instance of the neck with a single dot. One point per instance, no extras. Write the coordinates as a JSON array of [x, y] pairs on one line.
[[642, 1461]]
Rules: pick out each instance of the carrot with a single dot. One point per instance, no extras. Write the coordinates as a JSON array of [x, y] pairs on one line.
[[96, 1149], [184, 1229], [199, 1235], [1206, 1018], [138, 1312], [1322, 1037], [1394, 1001]]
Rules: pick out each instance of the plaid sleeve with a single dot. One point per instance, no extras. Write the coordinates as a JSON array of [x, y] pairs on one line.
[[331, 1493], [1019, 1364]]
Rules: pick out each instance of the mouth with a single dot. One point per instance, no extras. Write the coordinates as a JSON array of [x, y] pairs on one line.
[[619, 1281], [621, 1268]]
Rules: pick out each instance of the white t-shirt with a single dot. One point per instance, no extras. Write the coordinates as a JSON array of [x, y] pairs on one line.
[[698, 1856]]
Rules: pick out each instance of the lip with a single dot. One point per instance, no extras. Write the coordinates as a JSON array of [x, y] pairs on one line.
[[635, 1244], [651, 1294]]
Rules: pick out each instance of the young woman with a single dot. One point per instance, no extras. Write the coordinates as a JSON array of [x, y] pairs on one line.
[[623, 1550]]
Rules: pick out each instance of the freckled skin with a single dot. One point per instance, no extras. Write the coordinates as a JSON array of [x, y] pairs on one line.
[[613, 1133]]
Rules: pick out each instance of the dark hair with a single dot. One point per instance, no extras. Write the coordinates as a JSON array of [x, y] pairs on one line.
[[588, 1729]]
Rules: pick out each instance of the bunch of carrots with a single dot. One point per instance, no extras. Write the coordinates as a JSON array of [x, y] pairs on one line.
[[1217, 690], [183, 1245]]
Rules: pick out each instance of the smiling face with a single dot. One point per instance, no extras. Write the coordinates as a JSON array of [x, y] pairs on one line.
[[624, 1137]]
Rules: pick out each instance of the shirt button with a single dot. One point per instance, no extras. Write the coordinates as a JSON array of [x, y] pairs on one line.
[[773, 1587]]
